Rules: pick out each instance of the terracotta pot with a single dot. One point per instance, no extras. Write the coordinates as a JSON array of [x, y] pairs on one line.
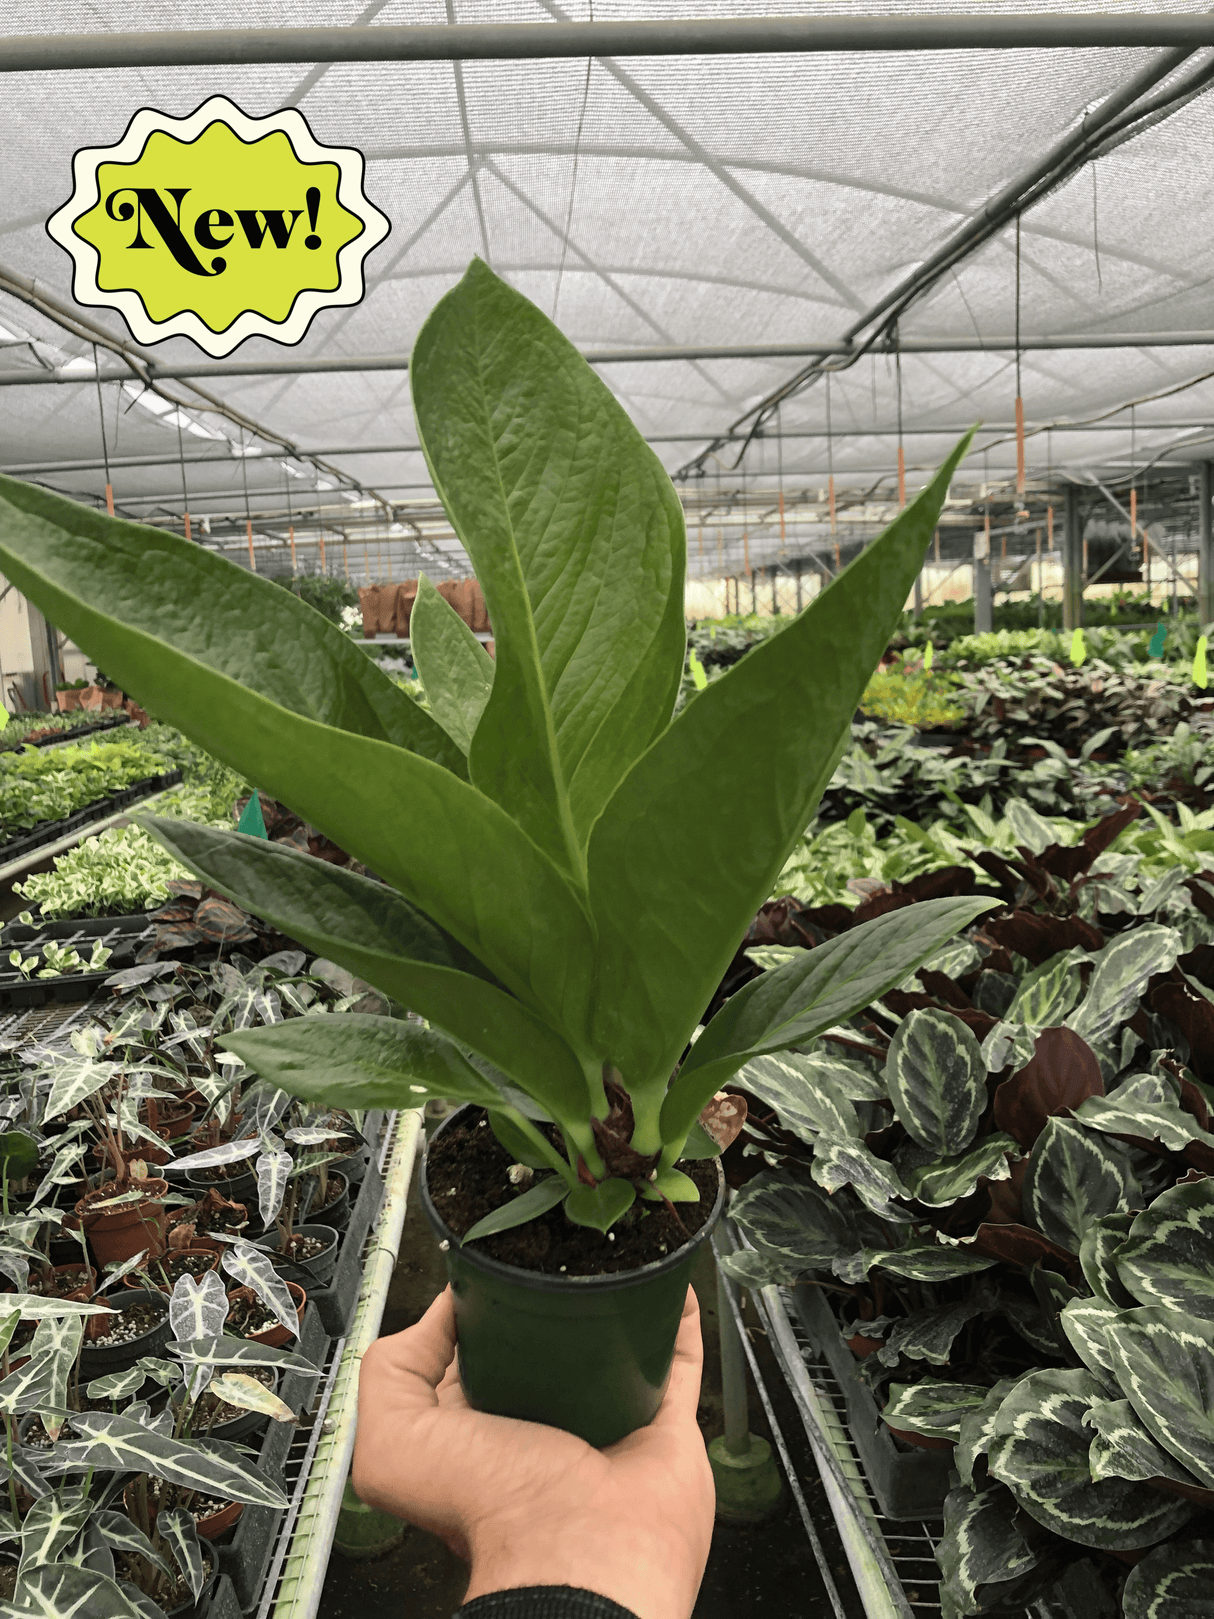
[[208, 1528], [862, 1347], [920, 1441], [172, 1118], [208, 1258], [83, 1294], [66, 701], [277, 1335], [116, 1234]]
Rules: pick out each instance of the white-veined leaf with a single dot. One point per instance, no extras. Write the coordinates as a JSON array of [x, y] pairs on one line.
[[252, 1268], [239, 1389], [177, 1528], [119, 1445]]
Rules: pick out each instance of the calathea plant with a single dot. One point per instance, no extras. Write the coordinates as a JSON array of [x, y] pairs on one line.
[[566, 871]]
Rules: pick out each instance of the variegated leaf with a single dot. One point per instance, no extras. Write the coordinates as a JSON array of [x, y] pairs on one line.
[[10, 1529], [846, 1161], [794, 1222], [978, 1429], [252, 1268], [1123, 1447], [1125, 1113], [41, 1384], [89, 1550], [245, 1392], [932, 1408], [198, 1307], [178, 1530], [273, 1168], [117, 1385], [981, 1548], [241, 1352], [947, 1180], [227, 1152], [749, 1268], [1049, 992], [66, 1158], [1123, 969], [1074, 1178], [1008, 1044], [1168, 1257], [33, 1307], [1084, 1322], [1040, 1451], [922, 1262], [116, 1443], [125, 1536], [312, 1135], [60, 1591], [936, 1078], [1175, 1581], [806, 1099], [1165, 1366], [928, 1334], [75, 1081], [120, 1268], [51, 1524], [1098, 1252]]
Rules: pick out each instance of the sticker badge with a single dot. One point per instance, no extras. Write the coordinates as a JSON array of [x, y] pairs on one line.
[[218, 227]]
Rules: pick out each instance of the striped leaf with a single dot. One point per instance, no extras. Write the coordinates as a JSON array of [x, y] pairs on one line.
[[241, 1352], [51, 1524], [41, 1384], [937, 1080], [807, 1097], [76, 1079], [947, 1180], [846, 1161], [1102, 1242], [252, 1268], [931, 1408], [120, 1445], [89, 1550], [928, 1334], [981, 1548], [248, 1394], [978, 1429], [1050, 991], [923, 1262], [227, 1152], [1084, 1321], [1124, 1448], [794, 1221], [1127, 1113], [1165, 1366], [1175, 1581], [176, 1527], [273, 1168], [1040, 1451], [124, 1536], [62, 1591], [198, 1307], [1168, 1257], [1122, 971], [117, 1385], [1074, 1178]]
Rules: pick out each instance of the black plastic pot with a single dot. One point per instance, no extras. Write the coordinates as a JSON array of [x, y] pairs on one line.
[[336, 1215], [311, 1273], [239, 1188], [243, 1426], [590, 1354], [121, 1357], [194, 1609]]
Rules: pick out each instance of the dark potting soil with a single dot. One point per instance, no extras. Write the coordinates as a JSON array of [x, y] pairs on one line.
[[466, 1175], [167, 1269], [300, 1248], [61, 1285], [8, 1581], [248, 1316], [135, 1320], [165, 1594]]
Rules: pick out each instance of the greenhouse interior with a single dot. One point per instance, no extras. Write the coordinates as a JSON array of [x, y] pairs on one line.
[[518, 519]]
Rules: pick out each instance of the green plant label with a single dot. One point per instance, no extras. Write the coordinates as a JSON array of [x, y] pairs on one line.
[[218, 227]]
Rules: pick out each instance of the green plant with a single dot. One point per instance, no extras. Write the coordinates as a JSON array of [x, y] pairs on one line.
[[566, 871], [911, 697], [327, 593]]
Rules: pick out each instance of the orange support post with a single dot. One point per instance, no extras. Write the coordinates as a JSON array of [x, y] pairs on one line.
[[188, 535], [109, 498], [249, 531], [901, 476]]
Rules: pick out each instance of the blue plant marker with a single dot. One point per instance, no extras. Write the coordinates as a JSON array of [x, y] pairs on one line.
[[1155, 645], [251, 820]]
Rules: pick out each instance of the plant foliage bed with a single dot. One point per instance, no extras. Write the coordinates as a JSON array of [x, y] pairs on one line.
[[999, 1175], [49, 730], [42, 832]]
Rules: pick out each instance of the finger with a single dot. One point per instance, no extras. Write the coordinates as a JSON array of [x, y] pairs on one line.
[[420, 1357], [683, 1390]]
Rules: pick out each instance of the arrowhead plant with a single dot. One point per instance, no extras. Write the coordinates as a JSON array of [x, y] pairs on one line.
[[567, 868]]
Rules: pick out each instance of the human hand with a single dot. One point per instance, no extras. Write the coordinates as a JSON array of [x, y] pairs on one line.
[[526, 1504]]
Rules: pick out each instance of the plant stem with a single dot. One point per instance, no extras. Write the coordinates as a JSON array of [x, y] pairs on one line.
[[12, 1483], [542, 1145]]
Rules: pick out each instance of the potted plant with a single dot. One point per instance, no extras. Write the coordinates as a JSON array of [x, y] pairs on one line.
[[566, 868]]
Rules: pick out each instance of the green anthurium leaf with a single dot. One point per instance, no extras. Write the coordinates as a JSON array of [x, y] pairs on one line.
[[1168, 1256], [529, 1205], [794, 1220], [768, 733], [455, 668], [948, 1180], [18, 1154], [378, 936], [982, 1550], [793, 1004], [360, 1060], [521, 1148], [1040, 1451], [1121, 974], [805, 1093], [937, 1080], [1123, 1447], [1175, 1581], [119, 1444], [1102, 1242], [81, 566], [932, 1408], [1075, 1177], [576, 536], [602, 1205], [1164, 1363]]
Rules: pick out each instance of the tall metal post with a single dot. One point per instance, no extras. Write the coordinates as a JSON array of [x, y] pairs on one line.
[[1205, 543], [917, 601], [1072, 562], [984, 614]]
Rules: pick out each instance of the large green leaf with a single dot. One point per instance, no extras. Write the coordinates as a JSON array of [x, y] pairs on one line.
[[1074, 1178], [121, 1445], [792, 1004], [707, 816], [1123, 1447], [576, 535], [150, 607], [1122, 971], [380, 937], [932, 1408], [1165, 1365], [1175, 1581], [1168, 1257], [1084, 1322], [937, 1080], [456, 670], [1040, 1451]]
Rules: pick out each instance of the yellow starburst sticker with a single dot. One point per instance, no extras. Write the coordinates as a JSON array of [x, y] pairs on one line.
[[218, 227]]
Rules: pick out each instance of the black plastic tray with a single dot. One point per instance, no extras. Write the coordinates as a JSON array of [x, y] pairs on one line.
[[74, 927], [51, 831], [17, 992], [75, 734]]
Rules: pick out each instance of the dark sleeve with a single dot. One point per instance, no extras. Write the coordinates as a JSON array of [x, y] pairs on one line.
[[543, 1602]]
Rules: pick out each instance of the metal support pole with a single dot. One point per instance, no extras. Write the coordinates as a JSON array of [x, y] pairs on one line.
[[1205, 543], [984, 619], [917, 608], [733, 1375], [1072, 562]]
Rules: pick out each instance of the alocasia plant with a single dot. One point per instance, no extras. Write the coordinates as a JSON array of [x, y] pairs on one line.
[[566, 871]]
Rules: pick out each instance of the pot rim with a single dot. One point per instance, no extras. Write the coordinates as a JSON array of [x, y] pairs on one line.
[[544, 1281]]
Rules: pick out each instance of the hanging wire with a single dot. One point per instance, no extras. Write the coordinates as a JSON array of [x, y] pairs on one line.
[[780, 473], [286, 478], [901, 449], [105, 452], [830, 470], [577, 147], [248, 517], [185, 494], [1020, 478]]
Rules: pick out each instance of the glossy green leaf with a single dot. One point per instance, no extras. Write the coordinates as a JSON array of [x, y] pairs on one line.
[[18, 1154], [576, 536], [1168, 1257], [927, 1261], [1175, 1581], [932, 1408], [529, 1205], [792, 1004], [1122, 971], [1123, 1447], [379, 937], [947, 1180], [1074, 1177], [1102, 1242], [456, 670], [795, 1221], [807, 1098], [937, 1080], [708, 815], [1126, 1112], [602, 1205], [1164, 1362], [1040, 1451]]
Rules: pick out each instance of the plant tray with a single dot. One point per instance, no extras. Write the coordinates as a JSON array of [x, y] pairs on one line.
[[85, 928], [75, 734], [51, 831], [335, 1302], [19, 991]]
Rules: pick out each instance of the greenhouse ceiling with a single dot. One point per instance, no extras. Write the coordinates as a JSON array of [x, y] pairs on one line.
[[828, 231]]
